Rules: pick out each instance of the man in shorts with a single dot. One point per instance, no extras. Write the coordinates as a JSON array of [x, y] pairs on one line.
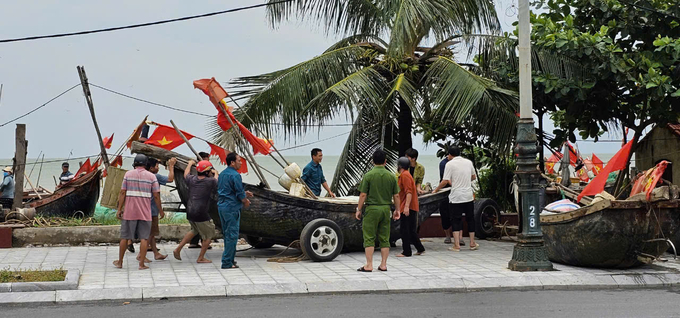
[[138, 188], [152, 166], [378, 188], [459, 173], [201, 188]]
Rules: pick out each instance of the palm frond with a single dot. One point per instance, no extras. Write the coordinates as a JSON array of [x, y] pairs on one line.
[[462, 96], [282, 96], [371, 131], [413, 20], [338, 16], [371, 40], [363, 88], [403, 88]]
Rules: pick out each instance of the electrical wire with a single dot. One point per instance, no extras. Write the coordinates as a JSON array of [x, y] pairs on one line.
[[39, 107], [132, 26]]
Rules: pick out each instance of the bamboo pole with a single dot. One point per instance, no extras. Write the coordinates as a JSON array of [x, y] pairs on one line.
[[299, 180], [88, 99], [34, 164], [40, 170], [248, 152], [32, 187], [19, 165], [179, 132]]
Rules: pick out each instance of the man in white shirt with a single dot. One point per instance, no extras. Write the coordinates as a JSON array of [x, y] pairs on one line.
[[459, 174]]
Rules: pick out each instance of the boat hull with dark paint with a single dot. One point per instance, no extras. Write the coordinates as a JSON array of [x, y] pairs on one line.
[[80, 195], [611, 234]]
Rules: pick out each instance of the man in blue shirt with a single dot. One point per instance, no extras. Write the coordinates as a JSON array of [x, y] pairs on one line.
[[7, 188], [232, 197], [312, 175], [66, 175]]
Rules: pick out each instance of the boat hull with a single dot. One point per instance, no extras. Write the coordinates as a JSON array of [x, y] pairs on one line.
[[80, 195], [616, 234]]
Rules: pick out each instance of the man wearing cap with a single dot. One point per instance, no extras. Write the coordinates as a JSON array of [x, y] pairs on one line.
[[139, 187], [201, 188], [7, 188], [152, 165], [213, 206], [378, 188], [232, 197], [66, 175]]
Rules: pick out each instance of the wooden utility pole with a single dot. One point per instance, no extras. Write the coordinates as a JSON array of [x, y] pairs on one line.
[[88, 98], [19, 166]]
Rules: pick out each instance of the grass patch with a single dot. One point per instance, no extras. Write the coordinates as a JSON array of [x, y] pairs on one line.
[[31, 275]]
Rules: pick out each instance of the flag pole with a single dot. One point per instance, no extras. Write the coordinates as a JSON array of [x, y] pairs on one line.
[[249, 156], [88, 99], [299, 180], [179, 132]]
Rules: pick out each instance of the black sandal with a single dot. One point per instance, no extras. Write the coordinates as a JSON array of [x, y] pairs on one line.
[[362, 269], [382, 270]]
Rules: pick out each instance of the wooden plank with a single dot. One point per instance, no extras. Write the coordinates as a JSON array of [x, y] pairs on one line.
[[19, 165]]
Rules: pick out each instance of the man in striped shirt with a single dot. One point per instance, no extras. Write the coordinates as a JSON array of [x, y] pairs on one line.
[[138, 188]]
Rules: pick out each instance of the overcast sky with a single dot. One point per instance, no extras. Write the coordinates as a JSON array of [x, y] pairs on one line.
[[156, 63]]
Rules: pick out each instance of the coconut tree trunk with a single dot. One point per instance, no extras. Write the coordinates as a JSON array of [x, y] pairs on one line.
[[405, 121]]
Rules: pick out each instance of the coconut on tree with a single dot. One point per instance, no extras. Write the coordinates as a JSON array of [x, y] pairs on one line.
[[394, 71]]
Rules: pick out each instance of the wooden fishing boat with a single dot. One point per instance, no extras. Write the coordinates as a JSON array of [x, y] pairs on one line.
[[325, 227], [611, 234], [77, 198]]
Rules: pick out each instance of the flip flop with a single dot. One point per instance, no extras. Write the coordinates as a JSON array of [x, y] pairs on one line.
[[160, 258], [474, 248], [382, 270], [420, 253], [362, 269], [143, 267], [400, 255], [204, 261], [131, 248], [454, 249], [447, 241], [233, 267]]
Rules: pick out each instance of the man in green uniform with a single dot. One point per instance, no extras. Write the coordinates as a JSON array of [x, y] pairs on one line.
[[378, 188]]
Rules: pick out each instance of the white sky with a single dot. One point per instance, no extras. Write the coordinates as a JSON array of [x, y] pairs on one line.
[[156, 63]]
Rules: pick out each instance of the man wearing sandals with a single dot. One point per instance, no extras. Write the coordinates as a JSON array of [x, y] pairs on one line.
[[408, 195], [201, 188], [459, 173], [232, 197], [138, 188], [378, 188]]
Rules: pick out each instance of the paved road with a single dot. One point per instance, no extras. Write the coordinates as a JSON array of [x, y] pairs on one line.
[[573, 304]]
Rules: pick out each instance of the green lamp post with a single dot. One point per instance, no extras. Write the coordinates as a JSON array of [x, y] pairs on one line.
[[530, 253]]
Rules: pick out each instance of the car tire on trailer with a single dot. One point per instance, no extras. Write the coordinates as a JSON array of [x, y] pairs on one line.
[[258, 242], [321, 240], [487, 214]]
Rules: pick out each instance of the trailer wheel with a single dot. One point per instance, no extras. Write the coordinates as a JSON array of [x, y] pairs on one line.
[[321, 240], [487, 214], [258, 242]]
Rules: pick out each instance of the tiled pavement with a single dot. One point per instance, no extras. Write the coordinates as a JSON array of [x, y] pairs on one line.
[[438, 269]]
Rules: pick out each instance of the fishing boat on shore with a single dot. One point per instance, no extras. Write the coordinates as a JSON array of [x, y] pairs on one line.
[[611, 233], [77, 198], [325, 227]]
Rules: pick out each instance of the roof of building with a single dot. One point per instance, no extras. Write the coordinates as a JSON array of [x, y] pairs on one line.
[[675, 128]]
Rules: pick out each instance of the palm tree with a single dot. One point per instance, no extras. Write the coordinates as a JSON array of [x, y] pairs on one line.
[[382, 76]]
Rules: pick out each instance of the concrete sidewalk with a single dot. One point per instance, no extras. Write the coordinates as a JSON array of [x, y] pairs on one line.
[[438, 269]]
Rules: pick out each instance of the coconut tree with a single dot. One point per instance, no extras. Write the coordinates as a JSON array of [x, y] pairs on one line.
[[394, 70]]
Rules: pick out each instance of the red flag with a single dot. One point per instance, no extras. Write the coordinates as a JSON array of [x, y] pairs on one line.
[[244, 166], [216, 150], [118, 162], [95, 165], [86, 167], [167, 138], [107, 141], [550, 163], [213, 89], [597, 165], [222, 120], [618, 162], [137, 132]]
